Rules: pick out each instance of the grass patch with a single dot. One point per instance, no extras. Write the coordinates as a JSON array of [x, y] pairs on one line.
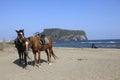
[[5, 45]]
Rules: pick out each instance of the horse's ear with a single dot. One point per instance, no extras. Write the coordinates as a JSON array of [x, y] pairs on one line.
[[16, 31], [22, 29]]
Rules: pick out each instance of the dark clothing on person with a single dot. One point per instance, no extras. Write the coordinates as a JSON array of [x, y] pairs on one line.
[[93, 45]]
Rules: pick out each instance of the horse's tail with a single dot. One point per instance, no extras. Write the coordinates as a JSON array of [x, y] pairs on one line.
[[54, 56]]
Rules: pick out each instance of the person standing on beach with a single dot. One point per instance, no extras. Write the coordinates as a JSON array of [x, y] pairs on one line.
[[93, 45]]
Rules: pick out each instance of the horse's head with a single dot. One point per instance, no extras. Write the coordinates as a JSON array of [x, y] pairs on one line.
[[20, 34]]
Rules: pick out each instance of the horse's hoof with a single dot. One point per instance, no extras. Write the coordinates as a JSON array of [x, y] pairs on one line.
[[37, 65], [26, 67], [50, 64], [34, 65]]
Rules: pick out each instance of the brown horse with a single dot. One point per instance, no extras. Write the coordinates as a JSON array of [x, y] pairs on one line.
[[36, 46]]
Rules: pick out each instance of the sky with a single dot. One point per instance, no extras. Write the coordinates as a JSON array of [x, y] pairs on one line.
[[100, 19]]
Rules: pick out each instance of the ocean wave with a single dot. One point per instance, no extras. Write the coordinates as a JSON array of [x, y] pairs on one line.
[[100, 42]]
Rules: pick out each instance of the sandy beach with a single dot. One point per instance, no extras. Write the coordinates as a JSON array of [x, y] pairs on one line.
[[72, 64]]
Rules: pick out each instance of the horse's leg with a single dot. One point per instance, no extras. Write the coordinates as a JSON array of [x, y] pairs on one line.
[[34, 59], [39, 58], [25, 58], [22, 55], [48, 59], [50, 53]]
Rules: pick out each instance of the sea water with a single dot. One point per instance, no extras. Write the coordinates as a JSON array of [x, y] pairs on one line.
[[111, 43]]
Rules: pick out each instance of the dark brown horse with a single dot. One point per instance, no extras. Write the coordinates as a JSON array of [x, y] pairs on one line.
[[36, 46], [20, 49], [19, 44]]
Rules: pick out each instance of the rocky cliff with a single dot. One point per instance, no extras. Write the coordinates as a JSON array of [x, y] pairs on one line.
[[65, 35]]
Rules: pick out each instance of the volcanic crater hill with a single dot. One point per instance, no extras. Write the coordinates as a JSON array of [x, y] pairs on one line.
[[65, 35]]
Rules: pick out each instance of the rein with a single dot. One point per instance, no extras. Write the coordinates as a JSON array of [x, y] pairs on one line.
[[20, 39]]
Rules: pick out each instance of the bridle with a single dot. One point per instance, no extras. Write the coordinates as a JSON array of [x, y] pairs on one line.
[[20, 37]]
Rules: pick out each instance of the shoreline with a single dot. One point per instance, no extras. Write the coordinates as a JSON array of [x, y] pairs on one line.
[[89, 48]]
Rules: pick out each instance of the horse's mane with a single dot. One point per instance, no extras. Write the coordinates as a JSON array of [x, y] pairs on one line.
[[34, 38]]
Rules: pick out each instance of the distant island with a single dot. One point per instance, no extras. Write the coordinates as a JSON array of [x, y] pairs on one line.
[[65, 35]]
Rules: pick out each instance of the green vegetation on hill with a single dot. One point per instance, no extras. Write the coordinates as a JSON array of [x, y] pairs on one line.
[[65, 35]]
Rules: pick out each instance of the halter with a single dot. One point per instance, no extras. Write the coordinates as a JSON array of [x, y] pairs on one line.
[[20, 38]]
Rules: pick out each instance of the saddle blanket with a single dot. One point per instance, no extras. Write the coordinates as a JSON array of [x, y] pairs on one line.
[[46, 40]]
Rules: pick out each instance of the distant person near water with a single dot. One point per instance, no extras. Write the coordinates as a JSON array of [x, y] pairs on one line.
[[93, 45]]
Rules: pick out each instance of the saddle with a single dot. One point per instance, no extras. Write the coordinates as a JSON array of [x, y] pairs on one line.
[[43, 40]]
